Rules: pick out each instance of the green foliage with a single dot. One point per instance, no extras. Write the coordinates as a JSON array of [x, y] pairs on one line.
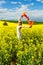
[[25, 22]]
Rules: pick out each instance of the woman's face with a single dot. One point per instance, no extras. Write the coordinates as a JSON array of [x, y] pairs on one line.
[[19, 23]]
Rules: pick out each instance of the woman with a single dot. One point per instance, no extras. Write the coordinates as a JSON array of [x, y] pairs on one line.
[[19, 35]]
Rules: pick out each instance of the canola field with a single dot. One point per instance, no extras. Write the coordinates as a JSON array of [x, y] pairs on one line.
[[28, 51]]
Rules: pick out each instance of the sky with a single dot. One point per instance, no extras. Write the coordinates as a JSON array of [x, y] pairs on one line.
[[13, 9]]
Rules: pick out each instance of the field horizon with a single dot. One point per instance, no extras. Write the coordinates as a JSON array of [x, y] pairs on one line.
[[25, 22]]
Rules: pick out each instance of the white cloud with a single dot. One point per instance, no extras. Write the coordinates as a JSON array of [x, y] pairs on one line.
[[32, 3], [15, 2], [40, 1], [12, 13], [19, 2], [2, 2], [36, 15], [16, 13]]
